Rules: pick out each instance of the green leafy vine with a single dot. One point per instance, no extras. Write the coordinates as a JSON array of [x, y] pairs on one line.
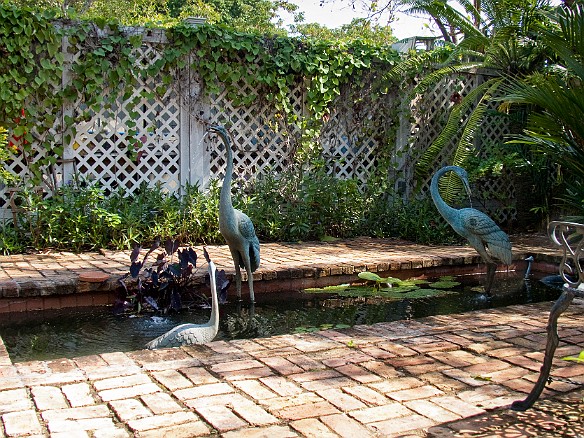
[[40, 54]]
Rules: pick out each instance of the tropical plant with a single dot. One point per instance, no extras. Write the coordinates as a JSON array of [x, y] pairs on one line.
[[498, 39], [168, 284], [556, 97]]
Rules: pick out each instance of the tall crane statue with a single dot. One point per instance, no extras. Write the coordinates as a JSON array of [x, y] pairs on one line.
[[235, 226], [482, 233]]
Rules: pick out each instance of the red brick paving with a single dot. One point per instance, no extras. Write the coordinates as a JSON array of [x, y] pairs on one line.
[[448, 375]]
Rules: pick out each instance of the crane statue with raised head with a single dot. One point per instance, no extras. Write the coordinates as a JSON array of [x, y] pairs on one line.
[[235, 226], [191, 334], [482, 233]]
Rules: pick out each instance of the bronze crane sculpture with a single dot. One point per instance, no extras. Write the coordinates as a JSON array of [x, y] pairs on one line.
[[192, 334], [235, 226], [482, 233]]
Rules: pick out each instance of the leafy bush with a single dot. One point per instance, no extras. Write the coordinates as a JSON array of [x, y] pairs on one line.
[[293, 206], [81, 217], [304, 206], [418, 220]]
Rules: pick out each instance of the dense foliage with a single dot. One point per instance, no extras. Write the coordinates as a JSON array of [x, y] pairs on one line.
[[556, 98], [31, 98], [81, 217], [246, 15], [502, 40], [518, 41]]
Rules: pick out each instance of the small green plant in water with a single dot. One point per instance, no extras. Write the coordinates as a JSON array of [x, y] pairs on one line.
[[390, 288], [310, 329]]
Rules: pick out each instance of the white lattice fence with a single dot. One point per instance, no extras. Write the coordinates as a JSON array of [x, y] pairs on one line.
[[262, 141], [356, 130], [430, 113], [172, 151], [103, 147]]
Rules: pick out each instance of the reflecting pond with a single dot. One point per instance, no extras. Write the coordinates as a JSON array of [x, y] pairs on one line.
[[78, 332]]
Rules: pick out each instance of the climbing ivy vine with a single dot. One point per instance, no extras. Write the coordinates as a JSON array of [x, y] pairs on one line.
[[36, 48], [31, 66]]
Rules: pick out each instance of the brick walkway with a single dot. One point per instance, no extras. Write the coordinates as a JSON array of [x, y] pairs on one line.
[[438, 376]]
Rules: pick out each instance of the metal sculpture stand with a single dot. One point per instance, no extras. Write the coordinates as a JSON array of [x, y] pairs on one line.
[[570, 237]]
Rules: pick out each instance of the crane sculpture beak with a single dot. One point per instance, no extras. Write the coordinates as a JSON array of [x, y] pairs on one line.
[[467, 187]]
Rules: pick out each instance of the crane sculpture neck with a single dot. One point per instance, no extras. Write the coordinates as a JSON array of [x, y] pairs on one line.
[[225, 202], [445, 210], [214, 320]]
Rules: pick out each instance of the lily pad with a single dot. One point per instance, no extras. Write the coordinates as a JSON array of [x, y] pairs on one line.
[[328, 289], [372, 276], [399, 289], [445, 284], [369, 276], [412, 282], [421, 293]]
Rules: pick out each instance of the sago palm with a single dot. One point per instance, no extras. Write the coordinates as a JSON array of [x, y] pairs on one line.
[[498, 36], [556, 96]]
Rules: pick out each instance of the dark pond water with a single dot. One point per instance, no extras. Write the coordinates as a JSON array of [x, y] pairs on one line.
[[79, 332]]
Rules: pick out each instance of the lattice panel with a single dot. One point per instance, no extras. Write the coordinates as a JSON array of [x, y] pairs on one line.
[[351, 137], [431, 112], [102, 145], [262, 142], [497, 193]]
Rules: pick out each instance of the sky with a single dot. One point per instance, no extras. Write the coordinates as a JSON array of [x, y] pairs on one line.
[[337, 13]]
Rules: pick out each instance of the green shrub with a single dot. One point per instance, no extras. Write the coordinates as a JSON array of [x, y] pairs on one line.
[[293, 206], [304, 206]]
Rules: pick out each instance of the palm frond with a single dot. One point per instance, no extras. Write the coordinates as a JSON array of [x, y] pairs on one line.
[[568, 42], [419, 62], [443, 72], [456, 124]]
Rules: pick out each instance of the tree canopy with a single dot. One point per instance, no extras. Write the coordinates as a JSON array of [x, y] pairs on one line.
[[246, 15], [359, 28]]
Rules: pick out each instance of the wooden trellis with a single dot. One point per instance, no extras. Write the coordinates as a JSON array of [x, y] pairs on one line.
[[174, 151]]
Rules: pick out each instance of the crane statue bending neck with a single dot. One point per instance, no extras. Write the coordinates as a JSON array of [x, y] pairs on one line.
[[235, 226], [191, 334], [482, 233]]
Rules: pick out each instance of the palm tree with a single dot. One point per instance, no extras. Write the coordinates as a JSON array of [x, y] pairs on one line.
[[556, 96], [494, 35]]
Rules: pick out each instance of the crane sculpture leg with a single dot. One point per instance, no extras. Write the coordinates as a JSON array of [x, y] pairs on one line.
[[238, 261]]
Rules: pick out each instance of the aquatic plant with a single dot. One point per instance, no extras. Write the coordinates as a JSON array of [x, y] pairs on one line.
[[167, 284], [390, 288]]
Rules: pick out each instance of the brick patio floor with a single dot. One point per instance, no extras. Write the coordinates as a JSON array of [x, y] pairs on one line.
[[451, 375]]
